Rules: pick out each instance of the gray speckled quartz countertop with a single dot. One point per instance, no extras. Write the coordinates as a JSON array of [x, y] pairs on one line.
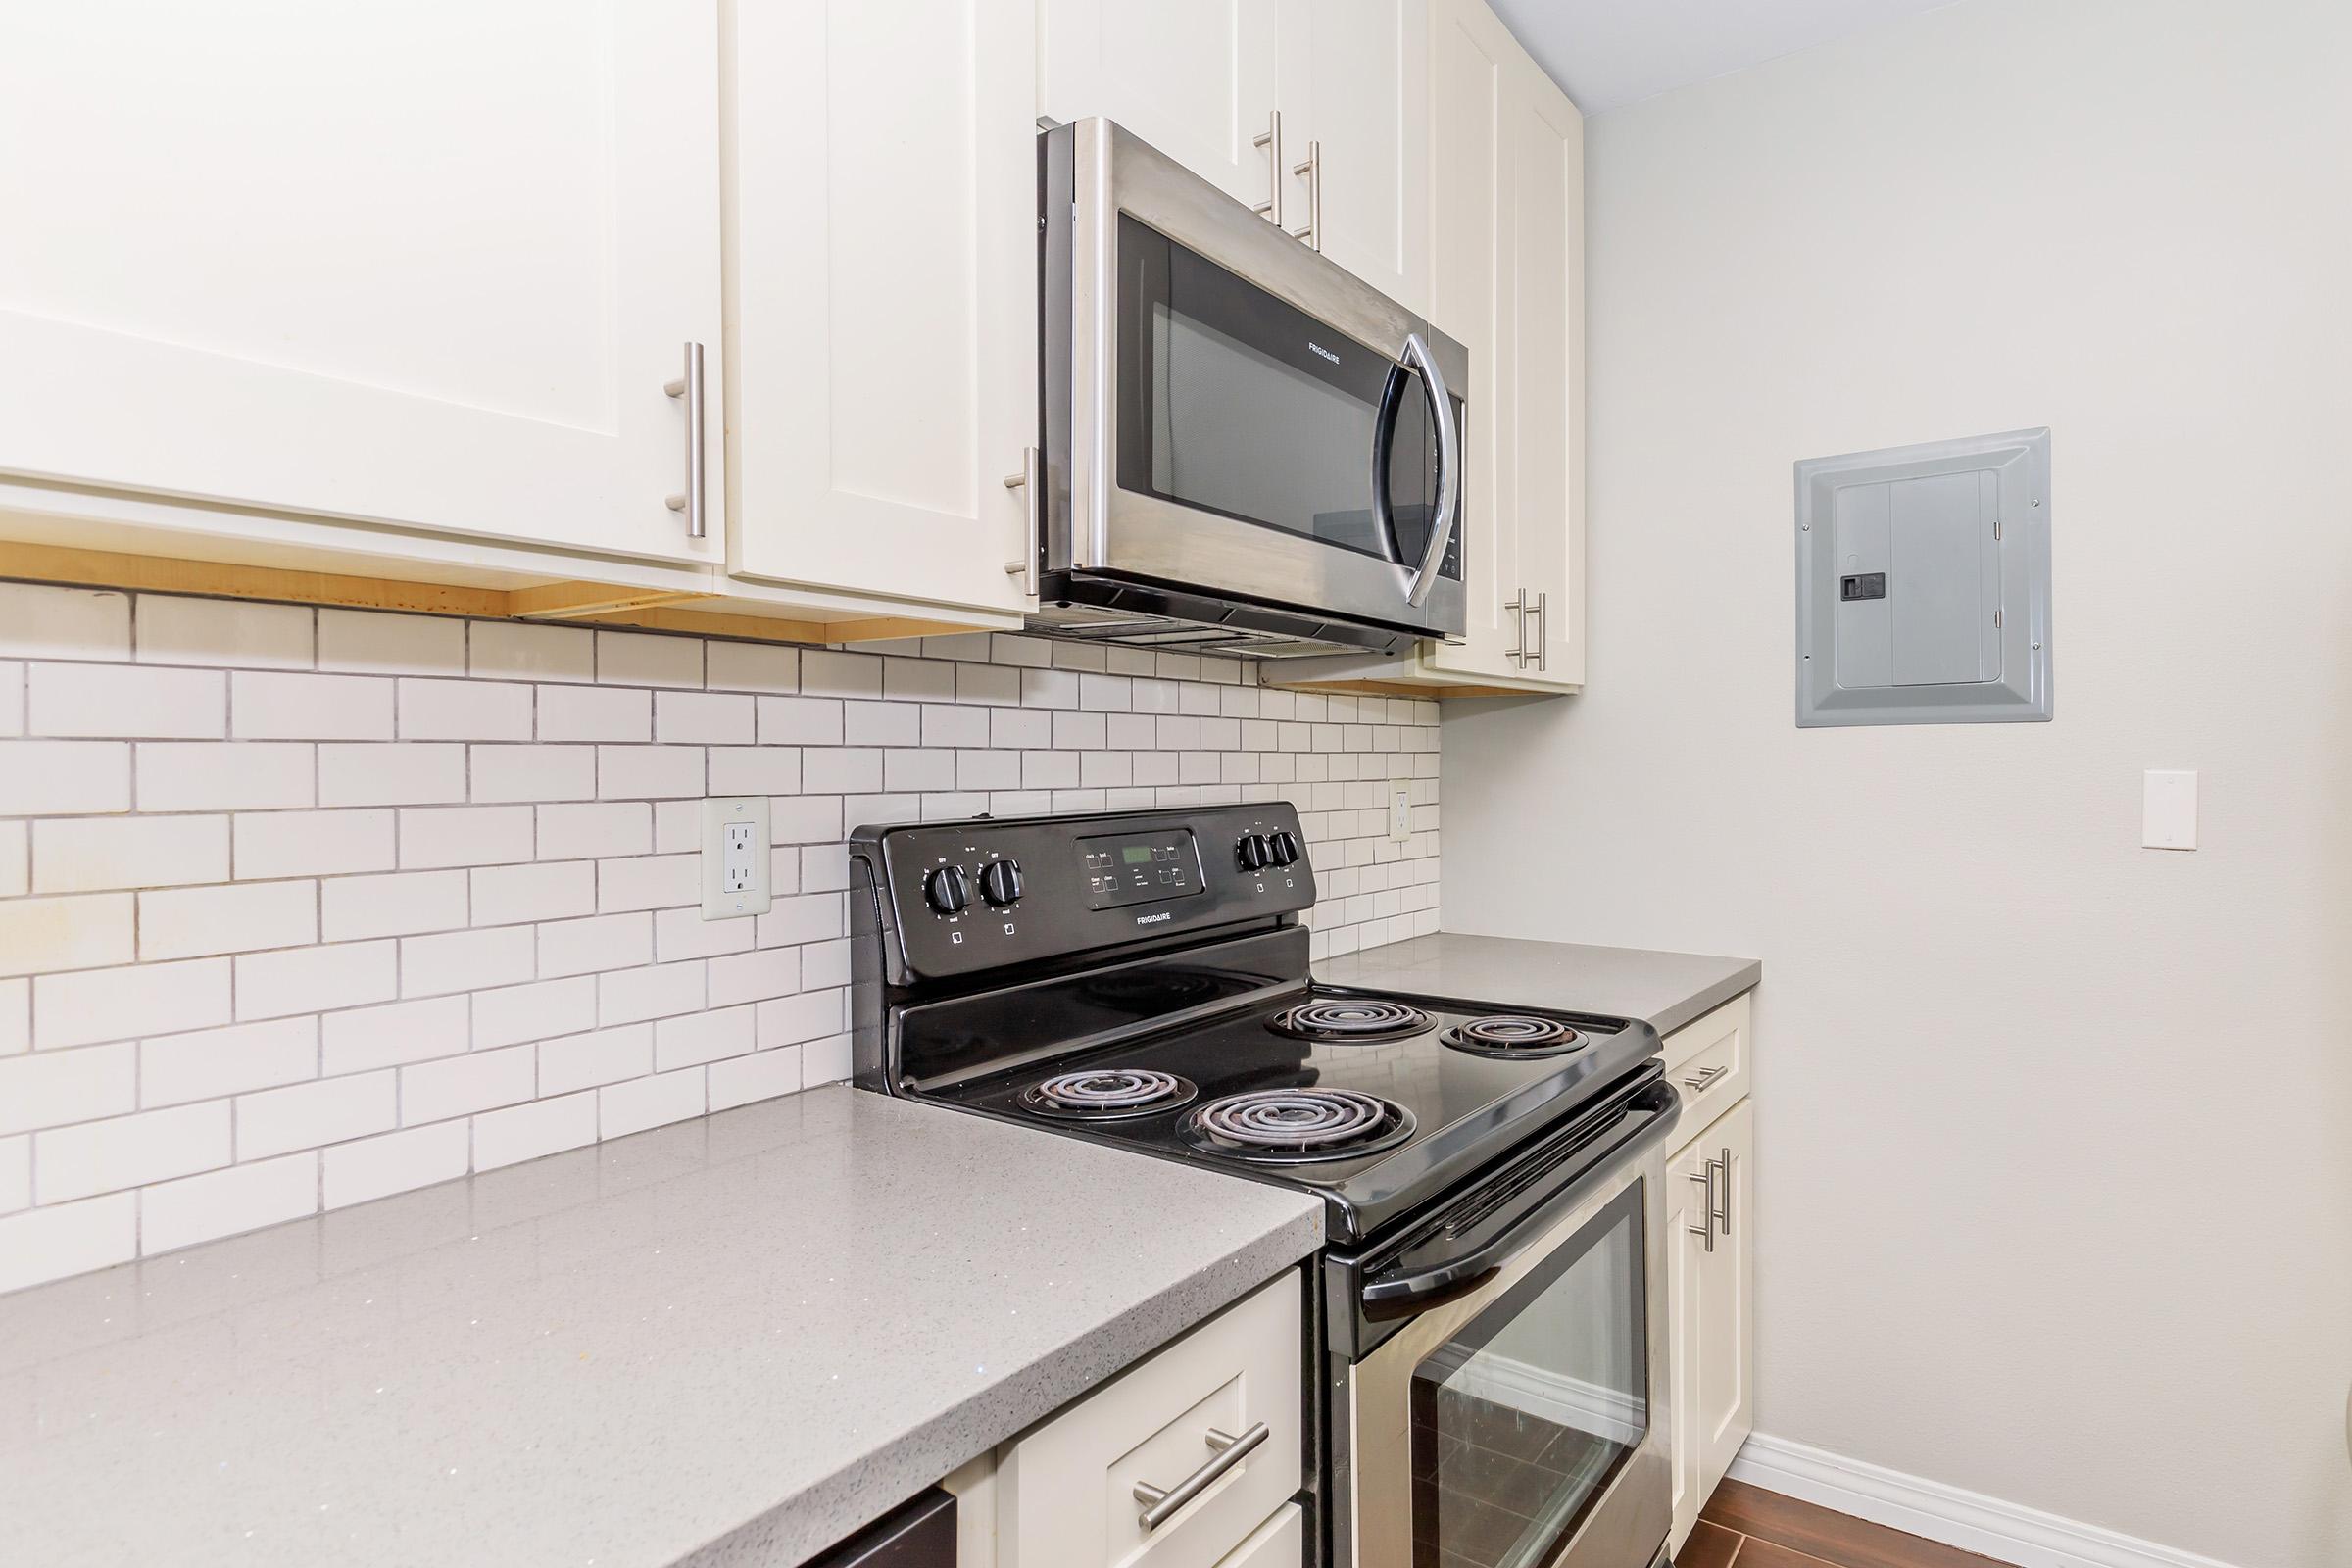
[[1668, 989], [760, 1329]]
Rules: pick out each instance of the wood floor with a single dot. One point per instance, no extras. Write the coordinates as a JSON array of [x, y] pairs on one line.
[[1748, 1527]]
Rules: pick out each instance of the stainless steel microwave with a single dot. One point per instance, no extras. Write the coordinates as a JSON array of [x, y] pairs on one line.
[[1246, 448]]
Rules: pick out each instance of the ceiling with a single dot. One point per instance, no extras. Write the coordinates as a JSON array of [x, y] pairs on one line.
[[1610, 52]]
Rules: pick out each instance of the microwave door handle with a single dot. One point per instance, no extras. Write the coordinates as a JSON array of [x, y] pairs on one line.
[[1651, 1113], [1450, 469]]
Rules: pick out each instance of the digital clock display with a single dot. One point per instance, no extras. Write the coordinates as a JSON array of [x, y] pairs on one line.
[[1140, 871]]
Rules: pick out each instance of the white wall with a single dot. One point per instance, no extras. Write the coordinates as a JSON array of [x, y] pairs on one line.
[[2055, 1133]]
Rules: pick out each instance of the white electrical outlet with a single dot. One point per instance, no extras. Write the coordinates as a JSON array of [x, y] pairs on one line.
[[1400, 815], [736, 857]]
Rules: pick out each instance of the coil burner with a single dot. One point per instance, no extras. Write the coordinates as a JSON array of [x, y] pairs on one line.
[[1513, 1036], [1363, 1020], [1298, 1125], [1108, 1095]]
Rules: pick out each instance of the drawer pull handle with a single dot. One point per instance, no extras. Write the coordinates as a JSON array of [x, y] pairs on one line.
[[1159, 1505], [1701, 1080]]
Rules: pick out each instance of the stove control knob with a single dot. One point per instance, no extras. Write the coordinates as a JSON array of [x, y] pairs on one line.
[[1253, 852], [1001, 882], [946, 890], [1283, 845]]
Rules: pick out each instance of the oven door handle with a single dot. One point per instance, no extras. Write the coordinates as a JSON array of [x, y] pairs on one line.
[[1450, 469], [1650, 1113]]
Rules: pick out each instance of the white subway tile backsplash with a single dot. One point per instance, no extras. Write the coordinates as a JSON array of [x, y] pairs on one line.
[[56, 1240], [347, 974], [465, 960], [37, 622], [49, 1088], [527, 1132], [240, 917], [751, 667], [230, 632], [210, 1064], [124, 700], [311, 1115], [641, 1103], [458, 1086], [286, 844], [65, 778], [353, 909], [98, 1004], [372, 642], [227, 1202], [393, 1034], [151, 1146], [499, 825], [455, 710], [517, 650], [395, 1163]]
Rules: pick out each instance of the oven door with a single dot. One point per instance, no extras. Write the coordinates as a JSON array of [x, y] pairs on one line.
[[1523, 1423], [1229, 413]]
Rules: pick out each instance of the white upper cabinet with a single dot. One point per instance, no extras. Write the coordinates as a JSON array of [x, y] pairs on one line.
[[1355, 137], [1546, 403], [428, 264], [1470, 60], [883, 296], [1196, 79]]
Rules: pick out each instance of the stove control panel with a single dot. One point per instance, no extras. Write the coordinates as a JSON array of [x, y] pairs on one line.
[[955, 897]]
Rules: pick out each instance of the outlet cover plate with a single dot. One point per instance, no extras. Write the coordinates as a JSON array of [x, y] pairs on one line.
[[737, 861]]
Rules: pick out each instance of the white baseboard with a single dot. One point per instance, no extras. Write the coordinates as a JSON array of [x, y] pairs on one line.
[[2006, 1532]]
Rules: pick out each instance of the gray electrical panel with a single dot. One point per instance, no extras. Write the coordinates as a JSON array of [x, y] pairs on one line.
[[1923, 583]]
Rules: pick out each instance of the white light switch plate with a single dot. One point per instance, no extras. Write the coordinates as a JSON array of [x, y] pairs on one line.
[[736, 858], [2169, 811]]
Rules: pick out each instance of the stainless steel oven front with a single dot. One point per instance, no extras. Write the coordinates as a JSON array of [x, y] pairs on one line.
[[1239, 435], [1497, 1378]]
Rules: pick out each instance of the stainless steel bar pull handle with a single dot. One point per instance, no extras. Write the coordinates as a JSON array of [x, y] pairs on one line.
[[1313, 231], [1723, 1215], [1698, 1081], [1516, 607], [1032, 518], [1542, 651], [1450, 469], [1705, 1230], [1271, 140], [1159, 1505], [690, 387]]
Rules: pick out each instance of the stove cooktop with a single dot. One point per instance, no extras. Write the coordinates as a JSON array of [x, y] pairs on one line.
[[1375, 1119]]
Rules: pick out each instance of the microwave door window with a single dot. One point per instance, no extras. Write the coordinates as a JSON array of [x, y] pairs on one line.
[[1234, 402]]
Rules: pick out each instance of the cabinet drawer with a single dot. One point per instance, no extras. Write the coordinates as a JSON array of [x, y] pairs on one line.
[[1708, 1062], [1067, 1488], [1279, 1543]]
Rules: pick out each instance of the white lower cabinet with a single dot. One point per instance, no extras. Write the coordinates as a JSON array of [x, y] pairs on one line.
[[1710, 1271], [1187, 1460]]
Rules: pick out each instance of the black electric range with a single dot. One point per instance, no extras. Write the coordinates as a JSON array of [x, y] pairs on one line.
[[1142, 979]]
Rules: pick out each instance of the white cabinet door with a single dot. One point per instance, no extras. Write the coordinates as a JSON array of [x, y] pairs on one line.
[[1725, 1315], [1471, 59], [425, 263], [883, 300], [1196, 79], [1355, 115], [1545, 437]]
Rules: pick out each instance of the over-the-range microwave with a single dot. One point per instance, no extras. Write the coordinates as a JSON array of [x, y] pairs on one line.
[[1246, 448]]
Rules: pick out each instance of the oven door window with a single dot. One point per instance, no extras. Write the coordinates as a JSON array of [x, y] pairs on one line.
[[1235, 402], [1521, 1420]]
